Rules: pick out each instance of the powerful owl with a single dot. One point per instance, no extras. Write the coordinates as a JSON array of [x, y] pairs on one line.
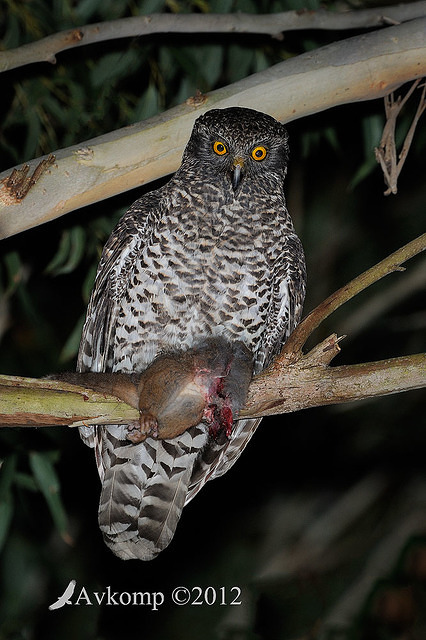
[[210, 255]]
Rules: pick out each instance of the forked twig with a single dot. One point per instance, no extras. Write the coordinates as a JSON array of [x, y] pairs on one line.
[[386, 153]]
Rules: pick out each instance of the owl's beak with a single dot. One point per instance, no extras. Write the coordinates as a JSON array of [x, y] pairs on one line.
[[237, 172]]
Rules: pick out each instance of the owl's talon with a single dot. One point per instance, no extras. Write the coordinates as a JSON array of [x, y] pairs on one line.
[[148, 424], [139, 431], [136, 437], [134, 433]]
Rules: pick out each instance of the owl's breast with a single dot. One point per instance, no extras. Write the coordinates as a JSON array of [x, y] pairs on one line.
[[206, 279]]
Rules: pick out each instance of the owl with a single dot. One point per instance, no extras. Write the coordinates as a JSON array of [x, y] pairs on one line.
[[210, 255]]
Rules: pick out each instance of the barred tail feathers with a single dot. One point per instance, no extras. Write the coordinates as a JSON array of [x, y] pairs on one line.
[[143, 494]]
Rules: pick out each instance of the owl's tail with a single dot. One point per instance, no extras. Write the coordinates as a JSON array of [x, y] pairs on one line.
[[144, 490]]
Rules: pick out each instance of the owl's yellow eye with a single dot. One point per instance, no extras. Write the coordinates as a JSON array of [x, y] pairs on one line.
[[219, 148], [259, 153]]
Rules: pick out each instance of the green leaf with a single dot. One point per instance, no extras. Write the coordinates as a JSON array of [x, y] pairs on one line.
[[11, 38], [147, 105], [210, 60], [240, 62], [261, 62], [331, 137], [6, 513], [372, 128], [85, 9], [246, 6], [363, 171], [70, 251], [61, 255], [48, 483], [89, 282], [34, 133], [112, 67], [15, 271], [70, 348], [152, 6], [7, 474], [221, 6], [25, 481]]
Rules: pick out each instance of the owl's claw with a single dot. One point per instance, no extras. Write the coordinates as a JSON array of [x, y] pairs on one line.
[[139, 431]]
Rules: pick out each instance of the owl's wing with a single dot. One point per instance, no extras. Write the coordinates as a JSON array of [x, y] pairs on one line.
[[97, 340], [115, 267], [288, 294]]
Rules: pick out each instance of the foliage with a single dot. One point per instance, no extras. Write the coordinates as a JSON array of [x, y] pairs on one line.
[[334, 190]]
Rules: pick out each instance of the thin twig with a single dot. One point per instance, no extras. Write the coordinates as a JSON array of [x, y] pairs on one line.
[[292, 350], [409, 137], [386, 153]]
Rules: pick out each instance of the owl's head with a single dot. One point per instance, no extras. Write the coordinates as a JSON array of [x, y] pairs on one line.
[[237, 145]]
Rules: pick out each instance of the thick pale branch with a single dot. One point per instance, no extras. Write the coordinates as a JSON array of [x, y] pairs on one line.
[[280, 389], [293, 347], [360, 68], [271, 24]]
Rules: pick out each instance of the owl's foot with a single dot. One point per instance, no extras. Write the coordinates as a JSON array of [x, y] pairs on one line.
[[139, 431]]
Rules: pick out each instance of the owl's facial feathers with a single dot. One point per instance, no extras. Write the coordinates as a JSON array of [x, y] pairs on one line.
[[236, 143]]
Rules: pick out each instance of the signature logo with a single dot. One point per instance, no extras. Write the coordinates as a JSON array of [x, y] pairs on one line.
[[152, 599], [65, 598]]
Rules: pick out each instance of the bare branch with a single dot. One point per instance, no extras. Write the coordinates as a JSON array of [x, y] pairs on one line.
[[386, 154], [292, 350], [44, 50], [400, 289], [360, 68]]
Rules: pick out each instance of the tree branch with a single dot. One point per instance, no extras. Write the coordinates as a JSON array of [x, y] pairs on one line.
[[44, 50], [309, 383], [294, 381], [360, 68], [30, 402], [292, 349], [282, 388]]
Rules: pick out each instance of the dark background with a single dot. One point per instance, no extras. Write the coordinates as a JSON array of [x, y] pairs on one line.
[[319, 498]]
